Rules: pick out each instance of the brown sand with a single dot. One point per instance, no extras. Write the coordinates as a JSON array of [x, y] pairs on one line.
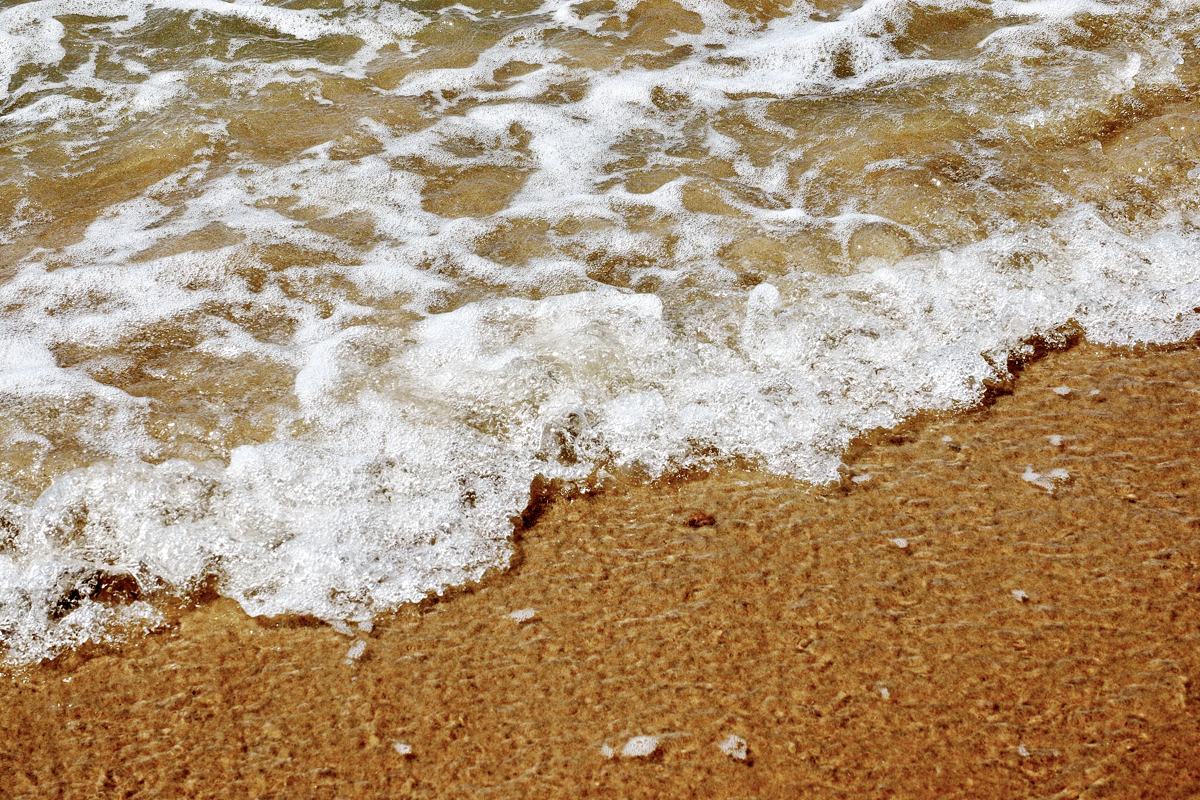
[[783, 623]]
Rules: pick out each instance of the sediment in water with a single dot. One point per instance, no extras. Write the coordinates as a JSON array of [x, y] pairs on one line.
[[939, 625]]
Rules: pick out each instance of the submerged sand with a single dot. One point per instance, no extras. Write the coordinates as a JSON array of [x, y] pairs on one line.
[[979, 610]]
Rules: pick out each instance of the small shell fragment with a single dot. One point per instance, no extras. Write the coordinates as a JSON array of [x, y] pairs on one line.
[[735, 747], [1047, 481], [640, 747]]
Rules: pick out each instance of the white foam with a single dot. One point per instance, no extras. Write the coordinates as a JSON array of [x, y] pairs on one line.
[[32, 35]]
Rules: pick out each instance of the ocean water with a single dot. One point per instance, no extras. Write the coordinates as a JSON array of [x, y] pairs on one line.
[[298, 299]]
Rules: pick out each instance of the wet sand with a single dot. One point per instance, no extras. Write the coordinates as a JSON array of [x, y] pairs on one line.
[[956, 619]]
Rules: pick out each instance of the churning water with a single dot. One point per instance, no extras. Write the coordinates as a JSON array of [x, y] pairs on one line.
[[299, 297]]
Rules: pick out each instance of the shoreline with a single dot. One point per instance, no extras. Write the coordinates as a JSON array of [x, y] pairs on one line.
[[996, 602]]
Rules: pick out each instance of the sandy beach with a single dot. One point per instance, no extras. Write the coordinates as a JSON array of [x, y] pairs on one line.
[[1004, 603]]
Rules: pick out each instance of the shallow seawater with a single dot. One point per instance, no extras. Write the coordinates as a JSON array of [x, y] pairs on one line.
[[299, 298]]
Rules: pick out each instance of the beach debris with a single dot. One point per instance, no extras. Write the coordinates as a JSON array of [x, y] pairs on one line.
[[640, 747], [356, 650], [636, 747], [1061, 391], [900, 542], [1055, 440], [735, 747], [863, 478], [884, 693], [403, 748], [1048, 481], [1020, 595], [523, 615], [1023, 750], [1094, 392], [701, 519]]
